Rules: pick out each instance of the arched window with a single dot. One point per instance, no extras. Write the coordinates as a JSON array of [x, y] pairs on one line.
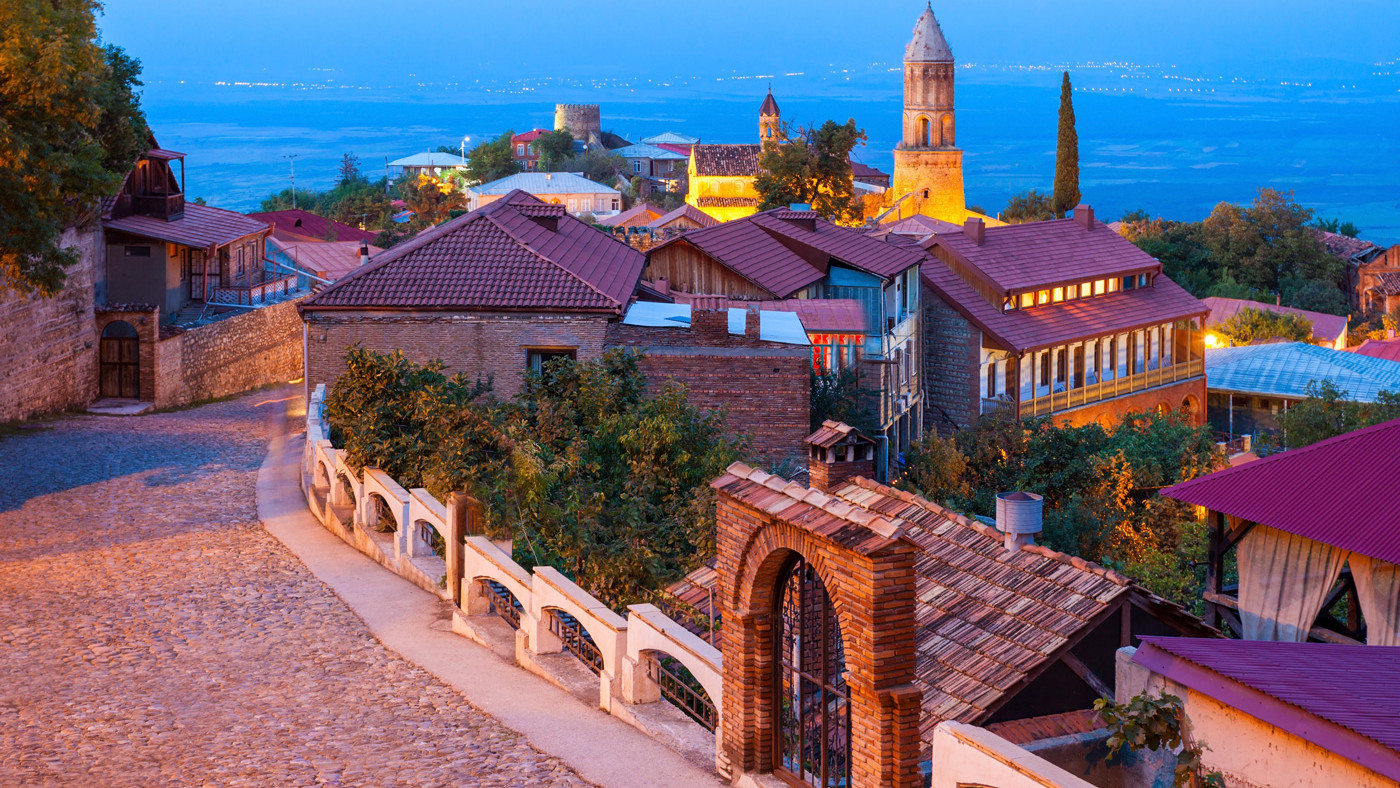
[[814, 731], [923, 133], [947, 131]]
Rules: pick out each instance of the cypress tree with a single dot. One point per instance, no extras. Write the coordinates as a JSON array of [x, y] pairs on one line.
[[1066, 155]]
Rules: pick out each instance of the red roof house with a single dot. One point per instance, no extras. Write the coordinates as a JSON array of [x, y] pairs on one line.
[[1327, 330], [298, 226]]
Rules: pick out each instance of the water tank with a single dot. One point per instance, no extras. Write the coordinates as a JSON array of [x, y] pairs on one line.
[[1018, 513]]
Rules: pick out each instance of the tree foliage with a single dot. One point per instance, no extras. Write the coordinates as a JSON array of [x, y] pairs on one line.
[[1157, 723], [432, 200], [492, 160], [585, 470], [1066, 195], [71, 127], [596, 164], [353, 200], [839, 396], [1030, 206], [1253, 325], [553, 147], [1327, 413], [1100, 487], [812, 166]]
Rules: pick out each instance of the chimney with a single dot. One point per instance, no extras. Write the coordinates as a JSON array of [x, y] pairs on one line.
[[974, 229], [836, 453], [709, 323], [662, 286], [1018, 518], [752, 322], [1084, 217], [364, 253]]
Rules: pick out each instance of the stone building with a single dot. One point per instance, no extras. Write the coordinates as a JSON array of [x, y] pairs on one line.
[[583, 121], [720, 179], [1378, 282]]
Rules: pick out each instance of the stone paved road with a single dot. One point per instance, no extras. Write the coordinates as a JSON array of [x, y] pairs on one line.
[[152, 633]]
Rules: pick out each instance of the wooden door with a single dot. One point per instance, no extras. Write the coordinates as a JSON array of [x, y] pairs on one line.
[[119, 367]]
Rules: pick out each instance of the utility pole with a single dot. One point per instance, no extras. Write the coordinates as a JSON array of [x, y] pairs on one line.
[[292, 160]]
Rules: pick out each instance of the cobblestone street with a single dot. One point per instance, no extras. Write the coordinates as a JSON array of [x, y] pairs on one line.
[[153, 633]]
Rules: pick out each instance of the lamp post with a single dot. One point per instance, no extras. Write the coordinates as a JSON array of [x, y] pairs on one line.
[[465, 140], [291, 160]]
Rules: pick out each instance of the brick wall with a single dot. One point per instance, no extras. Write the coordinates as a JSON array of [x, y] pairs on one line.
[[481, 345], [48, 346], [1189, 393], [952, 355], [763, 388], [248, 350]]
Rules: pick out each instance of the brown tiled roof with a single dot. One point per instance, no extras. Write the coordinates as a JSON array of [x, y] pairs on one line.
[[770, 105], [1387, 283], [859, 171], [1041, 254], [726, 160], [783, 256], [1050, 726], [696, 591], [856, 529], [687, 211], [831, 433], [642, 215], [299, 225], [1344, 246], [497, 258], [202, 226], [728, 202]]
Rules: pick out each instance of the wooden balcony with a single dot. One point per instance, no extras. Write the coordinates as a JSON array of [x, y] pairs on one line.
[[263, 292], [168, 207], [1057, 401]]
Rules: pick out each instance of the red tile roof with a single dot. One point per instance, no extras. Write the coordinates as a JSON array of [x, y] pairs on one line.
[[1325, 326], [529, 136], [859, 170], [637, 216], [299, 225], [498, 257], [1296, 675], [921, 225], [1044, 254], [784, 255], [1388, 349], [1326, 492], [1345, 247], [687, 211], [726, 160], [201, 227]]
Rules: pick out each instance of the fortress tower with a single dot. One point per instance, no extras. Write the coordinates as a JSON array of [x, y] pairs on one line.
[[770, 124], [927, 165], [584, 121]]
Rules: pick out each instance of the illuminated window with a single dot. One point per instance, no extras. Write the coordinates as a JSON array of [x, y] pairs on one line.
[[1027, 300], [1113, 285], [1008, 304], [1071, 292], [1042, 297], [1098, 287], [1058, 295], [1086, 289]]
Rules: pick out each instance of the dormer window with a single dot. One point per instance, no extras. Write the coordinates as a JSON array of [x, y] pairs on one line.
[[1071, 292], [1042, 297], [1057, 295]]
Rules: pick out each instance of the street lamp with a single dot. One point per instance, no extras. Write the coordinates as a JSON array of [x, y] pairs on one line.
[[465, 140]]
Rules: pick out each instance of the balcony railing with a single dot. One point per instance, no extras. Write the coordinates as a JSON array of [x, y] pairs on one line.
[[1057, 401], [168, 206], [254, 295]]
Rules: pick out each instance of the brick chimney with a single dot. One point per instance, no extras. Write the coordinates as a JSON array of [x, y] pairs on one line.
[[975, 230], [836, 453], [1084, 217], [751, 323], [709, 325]]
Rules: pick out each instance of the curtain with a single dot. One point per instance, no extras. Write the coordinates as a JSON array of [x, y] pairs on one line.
[[1284, 580], [1378, 592]]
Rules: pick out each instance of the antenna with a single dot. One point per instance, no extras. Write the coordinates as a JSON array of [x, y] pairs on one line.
[[292, 160]]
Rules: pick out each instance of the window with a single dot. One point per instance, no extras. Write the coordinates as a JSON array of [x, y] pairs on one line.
[[1027, 300], [242, 268], [530, 149], [1044, 362], [1129, 282], [1042, 297], [520, 149], [1086, 289], [992, 380], [1113, 285], [1110, 367], [573, 205], [1142, 280], [1071, 292], [1008, 304], [1098, 287], [138, 251], [1058, 295], [614, 205], [536, 358], [636, 166], [1060, 365]]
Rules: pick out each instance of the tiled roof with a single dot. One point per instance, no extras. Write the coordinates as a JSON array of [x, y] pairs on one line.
[[1295, 675], [688, 211], [1345, 247], [529, 136], [544, 183], [1051, 726], [640, 215], [859, 170], [202, 226], [769, 106], [726, 160], [1331, 492], [928, 44], [1324, 326], [1041, 254], [728, 202], [1388, 349], [1387, 283], [920, 225], [1284, 369], [497, 258], [299, 225], [670, 138], [641, 151], [831, 433], [782, 255], [849, 526]]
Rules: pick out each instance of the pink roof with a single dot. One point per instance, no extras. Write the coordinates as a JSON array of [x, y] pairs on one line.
[[201, 227], [921, 225], [689, 212], [683, 150], [529, 136], [1325, 326], [327, 259], [516, 253], [640, 215], [1043, 254], [783, 251], [300, 225], [1329, 492], [1388, 349], [1286, 679]]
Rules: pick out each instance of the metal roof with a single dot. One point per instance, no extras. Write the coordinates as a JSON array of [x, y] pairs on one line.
[[1292, 678], [1331, 492], [687, 211], [1388, 349], [1284, 369], [928, 44], [201, 227], [641, 151], [434, 159], [773, 326], [670, 138], [1324, 326], [299, 225], [544, 183]]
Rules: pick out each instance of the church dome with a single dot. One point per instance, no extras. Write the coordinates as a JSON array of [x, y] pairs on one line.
[[928, 44]]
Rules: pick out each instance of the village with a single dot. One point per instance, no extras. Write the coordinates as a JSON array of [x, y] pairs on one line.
[[569, 459]]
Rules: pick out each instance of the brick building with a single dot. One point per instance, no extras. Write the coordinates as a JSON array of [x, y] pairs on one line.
[[857, 618], [1378, 282], [1062, 318], [523, 149]]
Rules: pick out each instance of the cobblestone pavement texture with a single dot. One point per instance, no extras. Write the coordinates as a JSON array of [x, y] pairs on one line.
[[152, 633]]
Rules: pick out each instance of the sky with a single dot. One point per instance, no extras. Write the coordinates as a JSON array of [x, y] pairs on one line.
[[380, 44]]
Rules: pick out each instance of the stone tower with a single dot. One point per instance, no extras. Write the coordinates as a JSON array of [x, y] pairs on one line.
[[584, 121], [927, 164], [770, 124]]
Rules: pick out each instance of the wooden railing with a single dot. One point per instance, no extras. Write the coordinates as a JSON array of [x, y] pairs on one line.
[[166, 206], [1108, 389]]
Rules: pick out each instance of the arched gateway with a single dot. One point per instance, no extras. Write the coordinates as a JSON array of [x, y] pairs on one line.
[[814, 721]]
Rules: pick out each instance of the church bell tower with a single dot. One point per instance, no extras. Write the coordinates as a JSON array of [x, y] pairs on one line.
[[770, 124], [927, 163]]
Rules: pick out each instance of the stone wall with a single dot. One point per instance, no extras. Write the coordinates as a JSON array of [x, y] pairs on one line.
[[48, 346], [952, 355], [245, 351], [481, 345], [940, 173]]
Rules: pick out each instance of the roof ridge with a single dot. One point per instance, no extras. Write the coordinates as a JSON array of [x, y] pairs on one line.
[[490, 217], [882, 525], [397, 253]]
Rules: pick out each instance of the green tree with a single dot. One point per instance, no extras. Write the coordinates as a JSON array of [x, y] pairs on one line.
[[1268, 241], [553, 147], [1338, 226], [70, 128], [1066, 155], [1327, 413], [432, 200], [1253, 325], [839, 396], [812, 166], [1029, 206], [349, 171], [597, 164], [492, 160]]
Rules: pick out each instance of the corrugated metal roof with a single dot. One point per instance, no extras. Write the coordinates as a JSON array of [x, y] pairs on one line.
[[497, 257], [1324, 326], [773, 326], [670, 138], [642, 151], [1331, 492], [327, 259], [686, 211], [1284, 369], [1353, 687], [202, 226], [544, 183], [298, 225], [430, 160], [1388, 349]]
